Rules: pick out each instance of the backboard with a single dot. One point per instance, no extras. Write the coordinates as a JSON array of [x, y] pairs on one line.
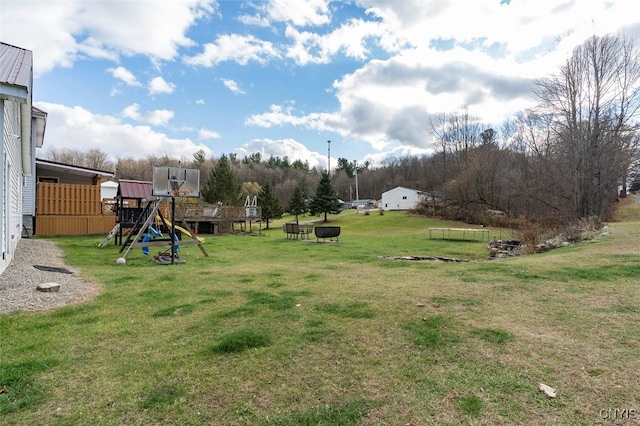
[[176, 182]]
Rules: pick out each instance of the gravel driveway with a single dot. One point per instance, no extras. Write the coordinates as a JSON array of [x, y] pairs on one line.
[[19, 281]]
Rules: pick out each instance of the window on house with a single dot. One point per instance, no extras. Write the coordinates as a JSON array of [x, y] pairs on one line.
[[48, 179]]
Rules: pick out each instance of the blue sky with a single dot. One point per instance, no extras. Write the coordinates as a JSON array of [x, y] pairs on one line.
[[282, 77]]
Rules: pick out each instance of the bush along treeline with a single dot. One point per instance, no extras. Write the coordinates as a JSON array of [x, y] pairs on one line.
[[566, 160]]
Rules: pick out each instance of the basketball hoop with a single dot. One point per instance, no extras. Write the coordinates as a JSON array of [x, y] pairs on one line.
[[176, 182], [179, 193]]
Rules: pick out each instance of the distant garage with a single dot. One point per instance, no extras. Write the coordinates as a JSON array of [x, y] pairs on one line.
[[401, 198]]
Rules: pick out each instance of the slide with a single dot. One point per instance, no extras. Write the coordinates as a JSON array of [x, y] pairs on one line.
[[181, 229]]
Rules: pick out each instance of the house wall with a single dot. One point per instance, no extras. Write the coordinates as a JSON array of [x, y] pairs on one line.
[[400, 199], [59, 176], [11, 181]]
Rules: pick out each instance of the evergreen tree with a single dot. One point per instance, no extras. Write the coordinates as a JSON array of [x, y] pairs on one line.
[[269, 203], [222, 185], [297, 204], [325, 201]]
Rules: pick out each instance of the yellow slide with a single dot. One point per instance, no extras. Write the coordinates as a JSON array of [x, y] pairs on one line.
[[179, 228]]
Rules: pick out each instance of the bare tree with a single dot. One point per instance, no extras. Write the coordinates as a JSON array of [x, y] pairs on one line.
[[455, 135], [93, 158], [97, 159], [130, 168], [66, 155], [592, 102]]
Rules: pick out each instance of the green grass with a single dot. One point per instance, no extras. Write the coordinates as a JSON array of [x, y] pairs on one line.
[[351, 310], [433, 332], [20, 388], [493, 335], [240, 341], [471, 405], [350, 413], [271, 331]]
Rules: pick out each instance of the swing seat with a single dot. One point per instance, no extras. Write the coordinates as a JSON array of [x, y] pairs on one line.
[[147, 238]]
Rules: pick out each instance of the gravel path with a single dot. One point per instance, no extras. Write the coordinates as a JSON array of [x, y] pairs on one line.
[[19, 281]]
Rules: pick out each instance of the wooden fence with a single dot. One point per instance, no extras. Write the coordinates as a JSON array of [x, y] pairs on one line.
[[74, 225], [68, 199], [68, 209]]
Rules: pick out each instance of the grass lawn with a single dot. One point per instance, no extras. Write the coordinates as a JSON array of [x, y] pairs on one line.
[[271, 331]]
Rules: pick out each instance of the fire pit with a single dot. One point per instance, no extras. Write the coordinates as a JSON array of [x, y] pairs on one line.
[[325, 232]]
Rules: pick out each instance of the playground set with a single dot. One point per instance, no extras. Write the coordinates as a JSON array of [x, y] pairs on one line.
[[145, 225]]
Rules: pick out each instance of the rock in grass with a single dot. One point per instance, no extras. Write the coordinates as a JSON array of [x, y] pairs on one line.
[[48, 287], [548, 390]]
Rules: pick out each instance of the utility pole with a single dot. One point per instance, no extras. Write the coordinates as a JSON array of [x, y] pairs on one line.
[[329, 157], [355, 172]]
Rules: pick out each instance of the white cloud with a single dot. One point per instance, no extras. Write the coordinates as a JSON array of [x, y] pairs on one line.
[[204, 134], [159, 117], [490, 68], [124, 75], [61, 32], [352, 39], [377, 159], [235, 48], [200, 102], [519, 26], [289, 148], [256, 20], [305, 13], [232, 86], [159, 85], [78, 128], [389, 102], [284, 115], [133, 112]]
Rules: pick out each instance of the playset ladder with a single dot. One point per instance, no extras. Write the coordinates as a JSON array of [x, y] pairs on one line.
[[110, 236]]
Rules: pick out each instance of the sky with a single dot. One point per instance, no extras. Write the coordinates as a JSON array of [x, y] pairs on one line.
[[314, 80]]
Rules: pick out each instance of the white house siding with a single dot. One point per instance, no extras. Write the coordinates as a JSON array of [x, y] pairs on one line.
[[400, 198], [29, 188], [29, 206], [29, 202], [11, 185]]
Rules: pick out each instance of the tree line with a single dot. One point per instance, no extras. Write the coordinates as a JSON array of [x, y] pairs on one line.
[[567, 158]]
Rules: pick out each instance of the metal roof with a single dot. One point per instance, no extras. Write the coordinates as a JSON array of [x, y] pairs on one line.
[[70, 168], [16, 81], [16, 71], [135, 189]]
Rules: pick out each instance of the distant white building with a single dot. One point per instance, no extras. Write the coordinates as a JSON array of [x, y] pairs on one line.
[[108, 189], [401, 198]]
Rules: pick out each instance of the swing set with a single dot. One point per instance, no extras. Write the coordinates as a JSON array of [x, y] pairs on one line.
[[169, 183]]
